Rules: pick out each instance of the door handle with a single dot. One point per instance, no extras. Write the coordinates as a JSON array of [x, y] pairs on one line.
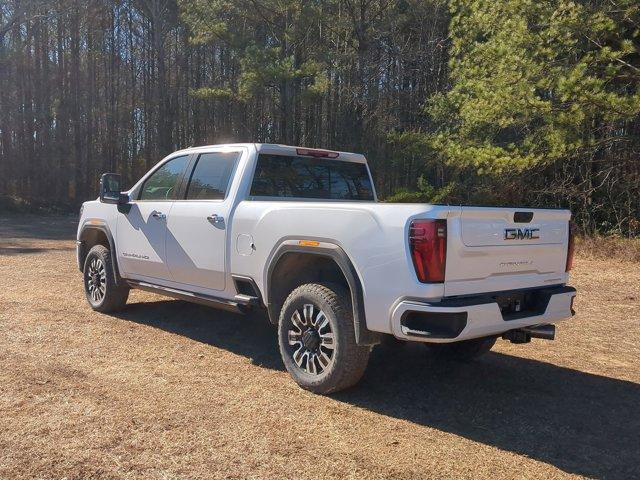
[[159, 215], [215, 218]]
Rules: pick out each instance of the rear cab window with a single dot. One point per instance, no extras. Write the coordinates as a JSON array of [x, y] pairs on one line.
[[283, 176]]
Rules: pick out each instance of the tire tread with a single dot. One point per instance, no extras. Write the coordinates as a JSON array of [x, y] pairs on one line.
[[354, 357], [116, 295]]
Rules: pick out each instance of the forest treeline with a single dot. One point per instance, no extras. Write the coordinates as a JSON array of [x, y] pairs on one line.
[[492, 102]]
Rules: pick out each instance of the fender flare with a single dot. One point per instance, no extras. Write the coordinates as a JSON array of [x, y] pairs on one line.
[[104, 228], [364, 336]]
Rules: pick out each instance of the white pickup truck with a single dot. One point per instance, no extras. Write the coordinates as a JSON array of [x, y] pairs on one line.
[[299, 232]]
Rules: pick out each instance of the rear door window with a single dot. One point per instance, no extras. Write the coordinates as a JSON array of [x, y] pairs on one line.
[[212, 175], [301, 177]]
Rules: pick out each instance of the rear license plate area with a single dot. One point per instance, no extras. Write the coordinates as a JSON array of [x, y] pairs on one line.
[[520, 305]]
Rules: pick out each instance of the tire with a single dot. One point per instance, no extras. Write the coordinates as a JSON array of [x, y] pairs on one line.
[[465, 351], [317, 339], [100, 286]]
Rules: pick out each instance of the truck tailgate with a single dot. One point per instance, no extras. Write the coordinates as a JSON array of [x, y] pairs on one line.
[[496, 249]]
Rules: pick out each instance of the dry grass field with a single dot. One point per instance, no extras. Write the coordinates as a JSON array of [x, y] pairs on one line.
[[167, 389]]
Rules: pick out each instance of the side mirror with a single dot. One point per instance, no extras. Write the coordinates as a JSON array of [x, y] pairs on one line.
[[110, 189]]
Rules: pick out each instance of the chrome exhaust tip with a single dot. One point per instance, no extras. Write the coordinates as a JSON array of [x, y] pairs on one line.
[[545, 332], [525, 334]]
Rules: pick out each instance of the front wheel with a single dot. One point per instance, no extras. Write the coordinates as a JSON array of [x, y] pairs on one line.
[[317, 339], [100, 282]]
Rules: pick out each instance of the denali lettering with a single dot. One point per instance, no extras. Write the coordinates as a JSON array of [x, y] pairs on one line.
[[521, 233], [516, 264], [135, 255]]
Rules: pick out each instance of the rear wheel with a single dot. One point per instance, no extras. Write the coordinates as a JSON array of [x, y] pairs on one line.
[[317, 339], [464, 351], [100, 282]]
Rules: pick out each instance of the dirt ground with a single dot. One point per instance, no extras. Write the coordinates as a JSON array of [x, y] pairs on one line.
[[167, 389]]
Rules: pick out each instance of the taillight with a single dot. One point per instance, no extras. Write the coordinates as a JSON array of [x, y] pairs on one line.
[[428, 244], [570, 247]]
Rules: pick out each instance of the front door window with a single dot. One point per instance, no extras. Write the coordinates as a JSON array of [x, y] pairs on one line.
[[163, 184]]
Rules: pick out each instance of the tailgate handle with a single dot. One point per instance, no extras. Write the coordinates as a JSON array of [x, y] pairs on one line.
[[522, 217]]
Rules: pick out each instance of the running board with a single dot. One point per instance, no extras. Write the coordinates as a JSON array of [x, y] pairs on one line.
[[207, 300]]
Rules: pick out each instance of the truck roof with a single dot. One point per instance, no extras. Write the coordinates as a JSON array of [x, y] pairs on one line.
[[278, 149]]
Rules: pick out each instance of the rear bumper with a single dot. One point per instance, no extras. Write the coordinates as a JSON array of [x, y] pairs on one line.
[[454, 320]]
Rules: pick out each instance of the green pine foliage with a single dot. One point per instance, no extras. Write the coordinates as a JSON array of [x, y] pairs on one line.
[[272, 40], [537, 82], [544, 107], [487, 102], [426, 193]]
